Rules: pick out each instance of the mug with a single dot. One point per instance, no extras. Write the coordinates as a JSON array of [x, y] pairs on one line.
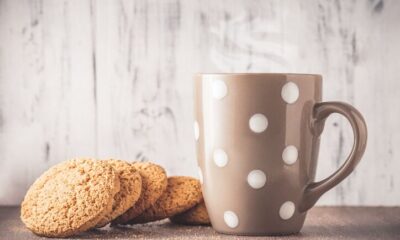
[[257, 140]]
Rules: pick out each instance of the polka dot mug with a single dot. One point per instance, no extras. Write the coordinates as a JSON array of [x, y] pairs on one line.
[[257, 140]]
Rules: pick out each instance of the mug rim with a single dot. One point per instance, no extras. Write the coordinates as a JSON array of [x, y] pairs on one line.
[[260, 74]]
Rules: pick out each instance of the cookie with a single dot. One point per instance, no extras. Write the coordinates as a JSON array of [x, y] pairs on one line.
[[69, 198], [182, 194], [154, 183], [130, 189], [195, 216]]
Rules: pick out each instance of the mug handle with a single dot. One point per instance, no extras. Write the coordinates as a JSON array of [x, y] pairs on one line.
[[321, 112]]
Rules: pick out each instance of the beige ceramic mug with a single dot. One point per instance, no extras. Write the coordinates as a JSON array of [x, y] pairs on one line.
[[257, 138]]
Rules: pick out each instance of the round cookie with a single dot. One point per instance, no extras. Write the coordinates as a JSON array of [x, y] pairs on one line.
[[154, 183], [131, 187], [182, 194], [69, 198], [195, 216]]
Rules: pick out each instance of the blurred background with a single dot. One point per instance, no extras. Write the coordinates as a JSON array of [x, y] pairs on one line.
[[114, 79]]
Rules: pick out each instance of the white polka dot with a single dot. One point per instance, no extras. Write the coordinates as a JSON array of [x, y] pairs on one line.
[[219, 89], [287, 210], [200, 175], [231, 219], [256, 179], [290, 154], [196, 130], [220, 157], [290, 92], [258, 123]]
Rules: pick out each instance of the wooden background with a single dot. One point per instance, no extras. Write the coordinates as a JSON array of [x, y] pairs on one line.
[[114, 79]]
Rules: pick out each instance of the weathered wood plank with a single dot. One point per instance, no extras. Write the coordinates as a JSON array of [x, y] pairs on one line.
[[47, 85], [113, 79]]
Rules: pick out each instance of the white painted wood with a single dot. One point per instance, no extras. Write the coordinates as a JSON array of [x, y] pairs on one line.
[[114, 79]]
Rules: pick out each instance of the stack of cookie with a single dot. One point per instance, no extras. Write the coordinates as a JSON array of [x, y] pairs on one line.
[[80, 194]]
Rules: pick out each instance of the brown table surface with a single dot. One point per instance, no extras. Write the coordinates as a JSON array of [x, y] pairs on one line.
[[321, 223]]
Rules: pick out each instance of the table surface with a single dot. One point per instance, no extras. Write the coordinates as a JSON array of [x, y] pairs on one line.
[[321, 223]]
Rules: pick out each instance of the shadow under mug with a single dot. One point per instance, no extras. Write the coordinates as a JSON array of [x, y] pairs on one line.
[[257, 140]]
